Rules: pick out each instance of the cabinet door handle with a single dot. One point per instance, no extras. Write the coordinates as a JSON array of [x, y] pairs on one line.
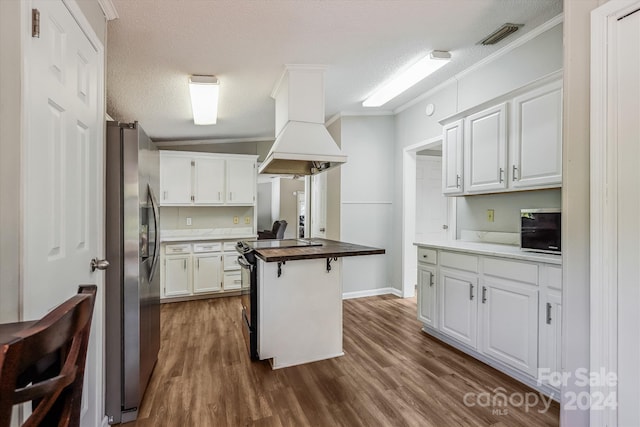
[[431, 279], [514, 171], [484, 294], [230, 196], [184, 264], [219, 196], [471, 291], [457, 181], [198, 263], [501, 175], [548, 313], [164, 195]]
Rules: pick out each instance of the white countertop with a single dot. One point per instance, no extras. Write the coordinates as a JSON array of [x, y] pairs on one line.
[[492, 249], [205, 234]]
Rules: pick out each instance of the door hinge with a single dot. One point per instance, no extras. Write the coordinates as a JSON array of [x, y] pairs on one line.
[[35, 23]]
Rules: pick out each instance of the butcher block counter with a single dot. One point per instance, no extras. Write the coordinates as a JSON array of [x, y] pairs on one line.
[[329, 249]]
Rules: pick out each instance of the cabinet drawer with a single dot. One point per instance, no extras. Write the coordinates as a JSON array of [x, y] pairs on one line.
[[231, 262], [207, 247], [513, 270], [232, 280], [554, 277], [178, 249], [459, 261], [229, 246], [430, 256]]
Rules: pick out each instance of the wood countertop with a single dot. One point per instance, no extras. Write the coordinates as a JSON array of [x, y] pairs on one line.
[[329, 249]]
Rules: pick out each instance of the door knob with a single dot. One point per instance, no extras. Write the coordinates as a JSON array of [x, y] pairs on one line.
[[99, 264]]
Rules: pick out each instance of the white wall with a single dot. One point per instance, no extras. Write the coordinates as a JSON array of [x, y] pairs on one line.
[[366, 199], [10, 82], [263, 204], [472, 211], [534, 59]]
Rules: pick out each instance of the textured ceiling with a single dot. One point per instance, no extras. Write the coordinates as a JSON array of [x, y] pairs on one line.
[[156, 44]]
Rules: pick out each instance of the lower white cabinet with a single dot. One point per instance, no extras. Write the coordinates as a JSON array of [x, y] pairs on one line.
[[509, 325], [458, 307], [206, 273], [503, 311], [427, 295], [177, 275]]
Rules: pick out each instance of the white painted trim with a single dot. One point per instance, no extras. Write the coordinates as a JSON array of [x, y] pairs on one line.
[[109, 9], [357, 114], [105, 422], [558, 19], [372, 293], [364, 202], [177, 143], [409, 213], [604, 201]]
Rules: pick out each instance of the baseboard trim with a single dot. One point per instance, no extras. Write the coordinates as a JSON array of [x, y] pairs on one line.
[[372, 293]]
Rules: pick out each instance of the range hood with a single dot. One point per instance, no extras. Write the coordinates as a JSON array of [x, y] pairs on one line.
[[303, 145]]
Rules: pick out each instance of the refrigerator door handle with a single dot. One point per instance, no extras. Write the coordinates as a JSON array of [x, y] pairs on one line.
[[156, 222]]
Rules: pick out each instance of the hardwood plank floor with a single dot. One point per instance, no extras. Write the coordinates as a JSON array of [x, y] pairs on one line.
[[391, 375]]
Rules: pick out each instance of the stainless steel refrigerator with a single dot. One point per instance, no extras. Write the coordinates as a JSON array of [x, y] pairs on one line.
[[132, 285]]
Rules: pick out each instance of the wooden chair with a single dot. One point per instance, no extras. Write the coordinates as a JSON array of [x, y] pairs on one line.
[[51, 355]]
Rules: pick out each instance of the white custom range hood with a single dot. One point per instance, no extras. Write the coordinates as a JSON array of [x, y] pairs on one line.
[[303, 145]]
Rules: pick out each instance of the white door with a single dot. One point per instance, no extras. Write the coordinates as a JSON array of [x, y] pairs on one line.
[[432, 214], [64, 167], [177, 275], [208, 181], [207, 273], [427, 295], [319, 205], [458, 307], [175, 179], [241, 181], [536, 142], [510, 324], [485, 148], [452, 158]]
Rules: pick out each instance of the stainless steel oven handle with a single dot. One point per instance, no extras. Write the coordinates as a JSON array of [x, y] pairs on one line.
[[244, 264]]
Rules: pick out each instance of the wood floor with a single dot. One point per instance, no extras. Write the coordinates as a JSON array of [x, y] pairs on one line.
[[391, 375]]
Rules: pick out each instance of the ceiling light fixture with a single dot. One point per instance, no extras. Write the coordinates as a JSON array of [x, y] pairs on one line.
[[409, 77], [204, 92]]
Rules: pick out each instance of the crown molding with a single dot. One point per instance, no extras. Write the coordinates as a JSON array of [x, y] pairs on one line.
[[109, 9], [558, 19], [357, 113], [177, 143]]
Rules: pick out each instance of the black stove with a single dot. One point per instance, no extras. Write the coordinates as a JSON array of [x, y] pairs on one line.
[[284, 243]]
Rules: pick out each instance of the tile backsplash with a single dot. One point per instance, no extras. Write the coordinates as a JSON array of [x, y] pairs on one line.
[[174, 218]]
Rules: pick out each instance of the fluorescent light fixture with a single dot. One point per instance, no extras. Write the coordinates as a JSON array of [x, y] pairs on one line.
[[204, 99], [408, 78]]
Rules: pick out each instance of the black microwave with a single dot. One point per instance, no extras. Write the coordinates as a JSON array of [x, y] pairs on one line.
[[540, 230]]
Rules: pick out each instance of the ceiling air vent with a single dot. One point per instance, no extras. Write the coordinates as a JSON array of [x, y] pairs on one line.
[[500, 34]]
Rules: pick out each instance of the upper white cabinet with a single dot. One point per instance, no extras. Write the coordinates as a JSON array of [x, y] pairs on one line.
[[241, 181], [536, 143], [452, 158], [512, 143], [204, 179], [485, 146]]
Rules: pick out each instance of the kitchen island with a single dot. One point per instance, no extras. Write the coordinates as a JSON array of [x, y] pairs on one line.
[[300, 301]]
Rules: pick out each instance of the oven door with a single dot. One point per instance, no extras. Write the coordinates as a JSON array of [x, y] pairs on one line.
[[245, 275], [249, 306]]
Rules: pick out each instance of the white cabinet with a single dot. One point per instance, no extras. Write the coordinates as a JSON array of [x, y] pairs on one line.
[[513, 145], [175, 179], [550, 332], [205, 179], [208, 183], [458, 307], [427, 295], [177, 275], [509, 313], [241, 181], [452, 164], [485, 150], [206, 273], [536, 143]]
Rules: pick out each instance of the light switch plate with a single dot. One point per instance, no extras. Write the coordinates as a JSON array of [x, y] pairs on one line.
[[247, 220], [490, 215], [188, 221], [235, 220]]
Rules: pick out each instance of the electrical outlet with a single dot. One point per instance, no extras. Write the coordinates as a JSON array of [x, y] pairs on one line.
[[235, 220], [188, 221], [247, 220], [490, 215]]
